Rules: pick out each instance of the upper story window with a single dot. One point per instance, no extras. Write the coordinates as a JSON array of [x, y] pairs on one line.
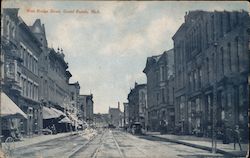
[[7, 29], [229, 56], [162, 74], [228, 22], [222, 60], [212, 28]]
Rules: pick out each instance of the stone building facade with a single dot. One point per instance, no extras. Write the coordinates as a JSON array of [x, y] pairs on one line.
[[211, 68], [137, 104], [160, 76]]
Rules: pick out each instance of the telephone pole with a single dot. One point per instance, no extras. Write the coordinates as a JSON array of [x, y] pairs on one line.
[[214, 121]]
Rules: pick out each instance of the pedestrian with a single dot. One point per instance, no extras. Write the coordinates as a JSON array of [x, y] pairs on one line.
[[236, 136]]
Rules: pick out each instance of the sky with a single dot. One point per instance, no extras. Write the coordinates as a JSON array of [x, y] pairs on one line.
[[107, 47]]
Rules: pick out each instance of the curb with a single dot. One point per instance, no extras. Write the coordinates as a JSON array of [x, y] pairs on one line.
[[241, 154]]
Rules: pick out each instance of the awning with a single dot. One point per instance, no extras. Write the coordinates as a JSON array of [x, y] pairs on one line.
[[50, 113], [59, 112], [65, 120], [10, 109]]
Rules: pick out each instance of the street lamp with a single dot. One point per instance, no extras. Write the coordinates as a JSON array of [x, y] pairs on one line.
[[214, 141]]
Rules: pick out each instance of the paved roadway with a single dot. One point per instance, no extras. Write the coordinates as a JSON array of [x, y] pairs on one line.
[[109, 144]]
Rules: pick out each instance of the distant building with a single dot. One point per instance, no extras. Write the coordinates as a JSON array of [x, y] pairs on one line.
[[160, 76], [116, 116], [86, 106], [74, 90], [211, 70], [101, 120], [137, 104]]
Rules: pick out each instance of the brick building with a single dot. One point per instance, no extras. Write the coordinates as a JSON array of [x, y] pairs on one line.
[[137, 104], [116, 116], [160, 76], [211, 68]]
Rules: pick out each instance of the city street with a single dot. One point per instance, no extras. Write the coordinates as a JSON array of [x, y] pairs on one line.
[[62, 147], [108, 143]]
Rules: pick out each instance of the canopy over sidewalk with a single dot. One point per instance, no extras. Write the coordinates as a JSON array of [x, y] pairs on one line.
[[9, 109], [65, 120], [50, 113]]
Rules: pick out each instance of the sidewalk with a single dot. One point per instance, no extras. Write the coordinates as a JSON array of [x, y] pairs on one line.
[[203, 143], [27, 141]]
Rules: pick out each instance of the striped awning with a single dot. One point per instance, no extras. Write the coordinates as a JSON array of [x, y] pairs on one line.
[[50, 113], [9, 109]]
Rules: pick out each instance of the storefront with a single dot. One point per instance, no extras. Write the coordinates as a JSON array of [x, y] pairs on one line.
[[11, 116]]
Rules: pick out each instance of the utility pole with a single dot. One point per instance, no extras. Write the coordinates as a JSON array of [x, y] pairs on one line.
[[1, 82], [214, 139]]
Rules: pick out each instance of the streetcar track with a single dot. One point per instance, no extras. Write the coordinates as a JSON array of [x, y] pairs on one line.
[[117, 146], [134, 146], [94, 154], [84, 147]]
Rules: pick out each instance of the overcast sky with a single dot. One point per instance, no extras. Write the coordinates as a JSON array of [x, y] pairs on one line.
[[107, 51]]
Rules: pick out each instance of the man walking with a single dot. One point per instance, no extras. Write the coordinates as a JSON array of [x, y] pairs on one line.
[[237, 138]]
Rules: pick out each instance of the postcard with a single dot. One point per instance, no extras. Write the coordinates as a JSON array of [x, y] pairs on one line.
[[128, 79]]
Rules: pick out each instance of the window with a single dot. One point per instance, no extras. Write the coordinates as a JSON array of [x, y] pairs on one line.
[[195, 80], [157, 76], [157, 96], [162, 73], [21, 84], [212, 26], [236, 18], [190, 82], [207, 66], [31, 90], [222, 60], [199, 77], [228, 22], [21, 51], [24, 87], [237, 54], [27, 60], [27, 89], [13, 31], [163, 95], [206, 29], [24, 57], [72, 96], [229, 57], [221, 24], [33, 65], [8, 29]]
